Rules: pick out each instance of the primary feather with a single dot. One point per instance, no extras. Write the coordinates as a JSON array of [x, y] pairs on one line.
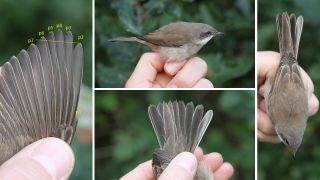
[[39, 93]]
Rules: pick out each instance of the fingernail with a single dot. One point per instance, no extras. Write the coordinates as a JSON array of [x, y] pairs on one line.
[[55, 157], [187, 161]]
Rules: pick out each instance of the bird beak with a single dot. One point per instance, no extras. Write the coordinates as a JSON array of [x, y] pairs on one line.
[[219, 34]]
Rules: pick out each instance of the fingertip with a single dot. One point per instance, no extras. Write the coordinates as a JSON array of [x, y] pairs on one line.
[[213, 160], [217, 156], [201, 64], [203, 83], [186, 160], [172, 68], [51, 158], [153, 59], [262, 106], [184, 166], [145, 72], [261, 91], [192, 72], [199, 153], [150, 55], [267, 55], [268, 138], [228, 169], [265, 124], [313, 105], [142, 171], [55, 156], [225, 171], [267, 63]]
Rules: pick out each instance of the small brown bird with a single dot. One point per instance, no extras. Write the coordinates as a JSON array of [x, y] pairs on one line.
[[285, 94], [178, 128], [39, 93], [176, 41]]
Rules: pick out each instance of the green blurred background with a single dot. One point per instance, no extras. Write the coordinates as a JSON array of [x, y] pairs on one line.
[[275, 161], [21, 20], [230, 59], [124, 136]]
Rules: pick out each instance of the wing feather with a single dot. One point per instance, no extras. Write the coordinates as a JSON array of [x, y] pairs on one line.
[[39, 93]]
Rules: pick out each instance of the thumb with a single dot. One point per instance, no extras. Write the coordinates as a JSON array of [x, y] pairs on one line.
[[183, 166], [48, 158]]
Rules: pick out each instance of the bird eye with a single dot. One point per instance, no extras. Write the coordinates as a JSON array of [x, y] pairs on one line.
[[208, 33], [205, 34], [284, 139]]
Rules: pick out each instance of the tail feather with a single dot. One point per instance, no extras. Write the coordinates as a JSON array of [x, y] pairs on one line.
[[129, 39], [298, 31], [289, 33], [293, 30], [286, 45], [179, 127]]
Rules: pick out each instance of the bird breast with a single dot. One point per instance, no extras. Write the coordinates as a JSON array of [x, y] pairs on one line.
[[179, 53]]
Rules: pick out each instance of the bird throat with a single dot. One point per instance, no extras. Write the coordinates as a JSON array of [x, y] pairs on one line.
[[204, 40]]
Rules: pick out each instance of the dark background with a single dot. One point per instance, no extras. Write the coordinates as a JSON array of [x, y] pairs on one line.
[[124, 136], [230, 59], [275, 161], [21, 20]]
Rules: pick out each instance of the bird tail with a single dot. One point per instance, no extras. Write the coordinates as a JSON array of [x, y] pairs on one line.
[[179, 127], [289, 33], [128, 39]]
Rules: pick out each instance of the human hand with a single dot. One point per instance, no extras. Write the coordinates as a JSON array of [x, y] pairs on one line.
[[151, 71], [48, 158], [184, 166], [267, 66]]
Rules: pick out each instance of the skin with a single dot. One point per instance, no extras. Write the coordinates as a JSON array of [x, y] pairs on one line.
[[267, 65], [46, 159], [152, 72], [184, 166]]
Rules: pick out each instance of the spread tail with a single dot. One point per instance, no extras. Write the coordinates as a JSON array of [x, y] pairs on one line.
[[179, 127]]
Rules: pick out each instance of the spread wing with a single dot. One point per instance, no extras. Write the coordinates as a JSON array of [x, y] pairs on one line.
[[39, 93]]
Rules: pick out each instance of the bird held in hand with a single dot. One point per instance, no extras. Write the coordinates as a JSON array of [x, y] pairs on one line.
[[285, 94], [176, 41]]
